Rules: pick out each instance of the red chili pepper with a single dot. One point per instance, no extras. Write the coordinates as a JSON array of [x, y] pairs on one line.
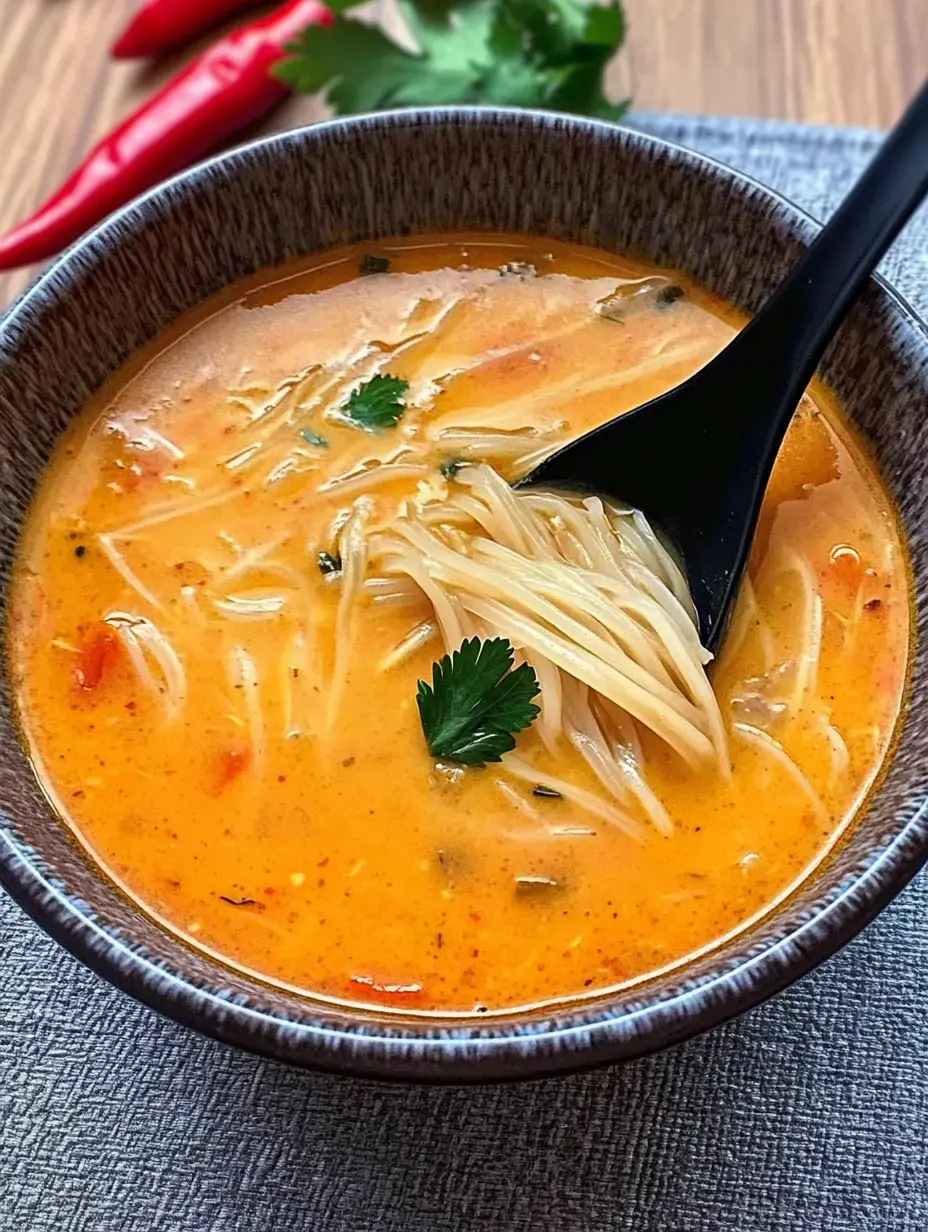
[[222, 91], [160, 25]]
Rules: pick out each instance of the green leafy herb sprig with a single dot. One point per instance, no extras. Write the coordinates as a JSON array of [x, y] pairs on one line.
[[477, 703], [377, 404], [520, 53]]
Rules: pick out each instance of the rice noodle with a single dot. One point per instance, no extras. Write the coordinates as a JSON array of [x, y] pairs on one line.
[[550, 721], [617, 773], [372, 477], [585, 799], [246, 671], [118, 561], [589, 596], [419, 636], [392, 591], [808, 657], [478, 446], [352, 548], [251, 558], [242, 457], [746, 615], [764, 741], [545, 626], [840, 758], [293, 679], [517, 800], [248, 607], [153, 439], [530, 407], [141, 637], [169, 513], [138, 660]]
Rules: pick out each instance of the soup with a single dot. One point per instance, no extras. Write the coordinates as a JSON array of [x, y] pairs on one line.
[[269, 527]]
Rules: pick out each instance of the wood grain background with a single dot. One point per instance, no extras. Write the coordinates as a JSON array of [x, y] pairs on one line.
[[828, 61]]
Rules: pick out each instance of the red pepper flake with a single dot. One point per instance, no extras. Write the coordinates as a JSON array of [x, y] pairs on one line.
[[474, 916], [96, 655], [323, 863], [873, 605]]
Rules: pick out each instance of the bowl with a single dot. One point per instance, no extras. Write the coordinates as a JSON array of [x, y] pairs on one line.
[[408, 172]]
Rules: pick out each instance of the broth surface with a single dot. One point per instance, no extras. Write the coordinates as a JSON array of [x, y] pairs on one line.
[[326, 851]]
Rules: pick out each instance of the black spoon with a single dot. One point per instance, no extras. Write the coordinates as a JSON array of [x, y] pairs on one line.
[[697, 459]]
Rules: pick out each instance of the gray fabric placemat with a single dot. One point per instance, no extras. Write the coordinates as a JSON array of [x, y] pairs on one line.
[[809, 1114]]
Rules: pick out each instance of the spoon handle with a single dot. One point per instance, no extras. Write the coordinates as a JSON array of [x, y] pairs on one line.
[[787, 339]]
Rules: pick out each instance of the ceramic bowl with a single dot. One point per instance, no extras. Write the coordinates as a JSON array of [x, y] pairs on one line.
[[411, 172]]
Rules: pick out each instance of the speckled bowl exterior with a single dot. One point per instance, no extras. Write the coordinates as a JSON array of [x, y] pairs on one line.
[[406, 173]]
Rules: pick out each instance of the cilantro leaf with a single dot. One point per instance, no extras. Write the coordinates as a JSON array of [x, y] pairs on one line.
[[376, 404], [476, 702], [548, 53]]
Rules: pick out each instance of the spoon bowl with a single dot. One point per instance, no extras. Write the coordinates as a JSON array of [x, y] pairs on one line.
[[697, 459]]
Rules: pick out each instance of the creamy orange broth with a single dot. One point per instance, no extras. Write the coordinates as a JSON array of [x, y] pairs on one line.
[[342, 862]]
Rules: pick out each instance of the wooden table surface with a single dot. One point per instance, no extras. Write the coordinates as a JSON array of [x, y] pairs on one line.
[[828, 61]]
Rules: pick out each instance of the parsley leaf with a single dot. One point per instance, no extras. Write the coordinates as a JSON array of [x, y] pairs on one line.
[[527, 53], [377, 403], [476, 702]]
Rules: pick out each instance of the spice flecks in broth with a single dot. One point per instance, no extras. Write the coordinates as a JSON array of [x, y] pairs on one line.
[[178, 615]]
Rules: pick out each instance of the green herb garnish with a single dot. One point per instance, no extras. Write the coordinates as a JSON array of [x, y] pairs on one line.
[[374, 265], [329, 563], [450, 467], [669, 295], [313, 437], [524, 53], [546, 793], [477, 702], [377, 404]]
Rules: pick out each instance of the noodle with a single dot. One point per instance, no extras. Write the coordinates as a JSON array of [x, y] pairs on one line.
[[617, 624], [762, 740], [353, 551]]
